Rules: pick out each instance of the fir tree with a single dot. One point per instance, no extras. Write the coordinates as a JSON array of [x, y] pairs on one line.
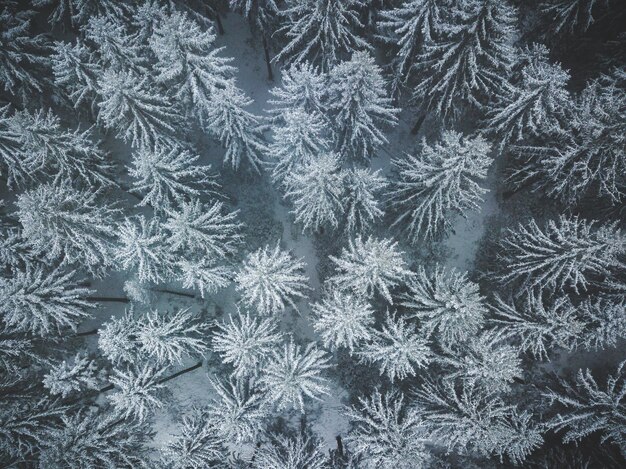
[[237, 413], [13, 167], [361, 106], [246, 342], [369, 267], [142, 249], [605, 323], [23, 56], [343, 320], [571, 16], [204, 276], [565, 253], [294, 373], [168, 338], [302, 87], [538, 326], [291, 453], [539, 103], [91, 439], [584, 407], [117, 339], [113, 43], [398, 349], [270, 279], [363, 187], [407, 27], [485, 362], [320, 31], [588, 156], [238, 130], [61, 222], [76, 71], [446, 303], [168, 174], [298, 138], [387, 433], [472, 420], [188, 63], [315, 190], [135, 391], [196, 445], [469, 58], [42, 301], [79, 374], [440, 181], [202, 230], [48, 148], [136, 110]]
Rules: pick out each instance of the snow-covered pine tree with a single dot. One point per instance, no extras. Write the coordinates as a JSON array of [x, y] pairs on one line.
[[61, 222], [363, 186], [188, 63], [485, 361], [95, 439], [442, 180], [48, 147], [23, 56], [571, 16], [537, 325], [142, 248], [361, 107], [154, 337], [246, 342], [469, 58], [589, 156], [80, 11], [237, 413], [168, 338], [167, 174], [471, 420], [145, 18], [293, 373], [566, 252], [398, 349], [537, 104], [70, 376], [605, 322], [315, 189], [321, 31], [141, 114], [239, 131], [13, 168], [195, 445], [447, 304], [387, 433], [584, 407], [134, 396], [203, 275], [343, 320], [406, 27], [43, 301], [76, 71], [206, 231], [298, 138], [302, 87], [369, 267], [269, 280], [15, 252], [110, 37], [291, 453]]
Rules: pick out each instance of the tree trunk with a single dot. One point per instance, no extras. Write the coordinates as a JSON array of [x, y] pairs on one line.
[[91, 332], [268, 63], [107, 299], [173, 292], [510, 193], [339, 446], [218, 22], [418, 125], [181, 372]]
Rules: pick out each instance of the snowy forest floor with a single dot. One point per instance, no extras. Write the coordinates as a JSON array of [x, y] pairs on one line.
[[267, 220]]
